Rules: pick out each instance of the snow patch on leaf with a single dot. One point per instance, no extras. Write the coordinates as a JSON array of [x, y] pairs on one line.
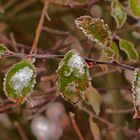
[[22, 78], [76, 62]]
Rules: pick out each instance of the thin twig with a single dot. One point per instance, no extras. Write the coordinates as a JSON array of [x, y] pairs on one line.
[[74, 4], [49, 56], [55, 31], [39, 28], [120, 111], [75, 126], [109, 124], [21, 131]]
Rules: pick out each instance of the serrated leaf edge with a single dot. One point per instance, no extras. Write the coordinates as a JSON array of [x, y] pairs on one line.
[[4, 86], [90, 36], [133, 47], [62, 95], [134, 93]]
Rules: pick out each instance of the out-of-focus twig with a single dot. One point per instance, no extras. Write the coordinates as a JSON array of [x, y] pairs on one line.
[[75, 126], [120, 111], [21, 131], [39, 28], [110, 125], [55, 31]]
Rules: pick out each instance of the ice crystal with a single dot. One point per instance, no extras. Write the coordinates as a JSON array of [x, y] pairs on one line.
[[22, 78], [76, 62]]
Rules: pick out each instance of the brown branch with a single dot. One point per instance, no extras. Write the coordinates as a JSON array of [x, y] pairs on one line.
[[75, 126], [49, 56], [39, 28]]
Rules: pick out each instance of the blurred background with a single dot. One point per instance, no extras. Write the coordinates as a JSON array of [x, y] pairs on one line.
[[106, 114]]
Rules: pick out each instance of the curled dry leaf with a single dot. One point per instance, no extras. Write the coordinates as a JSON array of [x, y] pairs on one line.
[[95, 29]]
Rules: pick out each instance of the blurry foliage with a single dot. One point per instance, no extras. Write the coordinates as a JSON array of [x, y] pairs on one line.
[[106, 113]]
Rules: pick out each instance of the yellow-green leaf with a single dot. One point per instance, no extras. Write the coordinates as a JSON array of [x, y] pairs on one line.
[[19, 81], [118, 12], [95, 130], [73, 77], [129, 49], [94, 99], [2, 49], [95, 29], [115, 49], [136, 93], [109, 53], [134, 6]]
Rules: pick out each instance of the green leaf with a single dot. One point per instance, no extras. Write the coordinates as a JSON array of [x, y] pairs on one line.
[[129, 49], [118, 12], [134, 6], [19, 81], [94, 99], [136, 93], [95, 130], [73, 77], [115, 49], [3, 49], [94, 29]]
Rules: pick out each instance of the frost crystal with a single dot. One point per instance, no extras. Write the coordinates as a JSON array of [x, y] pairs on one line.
[[22, 78], [138, 92], [76, 62]]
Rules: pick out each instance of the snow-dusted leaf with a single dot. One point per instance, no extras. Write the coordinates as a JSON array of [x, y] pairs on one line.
[[73, 77], [94, 28], [19, 81], [129, 49], [94, 99], [136, 93], [118, 12], [134, 6], [2, 49], [95, 130]]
